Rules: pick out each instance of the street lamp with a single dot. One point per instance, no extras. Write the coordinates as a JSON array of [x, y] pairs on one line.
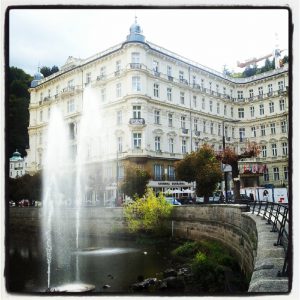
[[225, 172]]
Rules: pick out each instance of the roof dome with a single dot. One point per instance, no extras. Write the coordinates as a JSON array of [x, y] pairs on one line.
[[16, 156], [37, 77], [136, 32]]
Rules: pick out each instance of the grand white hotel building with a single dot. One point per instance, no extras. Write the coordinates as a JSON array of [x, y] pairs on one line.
[[160, 107]]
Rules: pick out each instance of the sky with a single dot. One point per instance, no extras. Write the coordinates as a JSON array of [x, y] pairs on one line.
[[213, 38]]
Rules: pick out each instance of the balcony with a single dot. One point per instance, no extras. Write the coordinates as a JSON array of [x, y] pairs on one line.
[[137, 121], [135, 66], [69, 90], [197, 133], [184, 81], [196, 86], [101, 77], [117, 73], [185, 131], [170, 78], [260, 96], [156, 73], [270, 94]]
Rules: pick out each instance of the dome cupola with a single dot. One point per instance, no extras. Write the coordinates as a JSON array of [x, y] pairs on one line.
[[136, 33], [37, 77]]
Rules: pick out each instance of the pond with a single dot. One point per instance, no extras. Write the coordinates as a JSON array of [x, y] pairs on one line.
[[111, 265]]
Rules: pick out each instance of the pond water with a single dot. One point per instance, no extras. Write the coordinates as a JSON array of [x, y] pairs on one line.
[[111, 265]]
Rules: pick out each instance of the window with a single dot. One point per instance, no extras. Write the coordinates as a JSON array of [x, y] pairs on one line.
[[210, 105], [232, 132], [156, 90], [170, 120], [286, 173], [171, 173], [183, 146], [231, 112], [136, 109], [155, 66], [118, 65], [202, 84], [273, 130], [253, 131], [156, 117], [171, 145], [102, 72], [70, 106], [251, 94], [262, 130], [169, 70], [283, 127], [157, 143], [195, 124], [41, 138], [271, 107], [260, 92], [270, 89], [225, 110], [181, 97], [103, 95], [49, 112], [211, 128], [240, 94], [219, 129], [264, 151], [252, 111], [119, 144], [218, 108], [135, 58], [169, 94], [41, 96], [280, 85], [196, 146], [266, 175], [194, 80], [195, 101], [274, 149], [203, 103], [281, 104], [276, 173], [182, 122], [261, 109], [204, 126], [41, 115], [57, 90], [242, 134], [210, 87], [119, 117], [181, 76], [121, 172], [284, 148], [118, 90], [88, 78], [137, 140], [71, 84], [241, 112], [158, 172], [136, 83]]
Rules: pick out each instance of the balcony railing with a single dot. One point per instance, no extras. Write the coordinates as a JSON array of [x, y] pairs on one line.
[[137, 121], [101, 77], [170, 78], [197, 133], [156, 73], [184, 81], [135, 66], [196, 86], [185, 131]]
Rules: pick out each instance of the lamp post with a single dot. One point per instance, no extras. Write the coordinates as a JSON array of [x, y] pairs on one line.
[[224, 145]]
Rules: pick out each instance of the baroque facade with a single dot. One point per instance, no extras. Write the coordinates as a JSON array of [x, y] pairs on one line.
[[160, 106]]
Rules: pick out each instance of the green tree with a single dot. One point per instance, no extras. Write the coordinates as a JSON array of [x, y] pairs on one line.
[[46, 71], [17, 114], [148, 214], [202, 167], [135, 182]]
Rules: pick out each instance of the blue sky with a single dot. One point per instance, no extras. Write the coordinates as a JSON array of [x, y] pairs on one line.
[[210, 37]]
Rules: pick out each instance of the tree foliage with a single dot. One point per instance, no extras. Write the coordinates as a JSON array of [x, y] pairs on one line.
[[135, 181], [17, 114], [148, 213], [25, 187], [202, 167], [46, 71], [230, 157]]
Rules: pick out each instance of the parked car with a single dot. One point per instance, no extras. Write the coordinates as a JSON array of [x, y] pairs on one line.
[[23, 203], [172, 201]]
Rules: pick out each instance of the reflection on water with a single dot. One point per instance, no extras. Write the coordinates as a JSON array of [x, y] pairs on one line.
[[115, 264]]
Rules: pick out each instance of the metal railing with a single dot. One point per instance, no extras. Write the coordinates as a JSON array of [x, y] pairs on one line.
[[277, 215]]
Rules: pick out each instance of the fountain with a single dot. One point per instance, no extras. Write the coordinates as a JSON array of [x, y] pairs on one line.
[[60, 174]]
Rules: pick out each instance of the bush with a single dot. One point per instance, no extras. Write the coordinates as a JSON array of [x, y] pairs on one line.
[[148, 214], [188, 250]]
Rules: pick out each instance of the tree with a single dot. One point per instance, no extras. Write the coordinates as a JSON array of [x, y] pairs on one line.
[[202, 167], [135, 182], [230, 157], [17, 114], [148, 213], [46, 71]]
